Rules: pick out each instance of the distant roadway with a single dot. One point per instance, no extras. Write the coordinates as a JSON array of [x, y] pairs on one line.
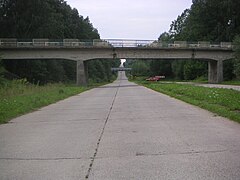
[[120, 131]]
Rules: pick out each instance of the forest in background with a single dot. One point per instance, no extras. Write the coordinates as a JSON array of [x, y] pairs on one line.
[[206, 20], [52, 19]]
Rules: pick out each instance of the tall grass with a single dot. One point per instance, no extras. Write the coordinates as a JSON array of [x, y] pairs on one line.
[[18, 97], [17, 87]]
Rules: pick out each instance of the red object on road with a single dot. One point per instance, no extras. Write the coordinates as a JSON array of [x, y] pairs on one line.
[[155, 78]]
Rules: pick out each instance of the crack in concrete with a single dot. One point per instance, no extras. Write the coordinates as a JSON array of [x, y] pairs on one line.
[[170, 153], [101, 135], [182, 153]]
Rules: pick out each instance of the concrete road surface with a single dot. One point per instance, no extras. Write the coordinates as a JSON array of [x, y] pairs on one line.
[[120, 131]]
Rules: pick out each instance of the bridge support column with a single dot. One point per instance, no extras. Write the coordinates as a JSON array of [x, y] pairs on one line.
[[215, 71], [82, 73]]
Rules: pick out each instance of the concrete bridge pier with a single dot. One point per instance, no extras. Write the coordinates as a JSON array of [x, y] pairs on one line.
[[82, 73], [215, 71]]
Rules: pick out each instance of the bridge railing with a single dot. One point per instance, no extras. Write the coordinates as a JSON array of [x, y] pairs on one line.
[[110, 43], [129, 43]]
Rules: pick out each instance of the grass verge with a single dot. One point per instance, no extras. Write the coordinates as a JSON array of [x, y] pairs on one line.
[[223, 102], [18, 97], [236, 83]]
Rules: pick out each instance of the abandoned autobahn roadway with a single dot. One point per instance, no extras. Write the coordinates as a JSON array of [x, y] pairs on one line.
[[120, 131]]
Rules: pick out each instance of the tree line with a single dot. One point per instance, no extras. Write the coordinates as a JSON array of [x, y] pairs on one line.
[[52, 19], [206, 20]]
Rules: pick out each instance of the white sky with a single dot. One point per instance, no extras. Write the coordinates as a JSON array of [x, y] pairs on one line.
[[130, 19]]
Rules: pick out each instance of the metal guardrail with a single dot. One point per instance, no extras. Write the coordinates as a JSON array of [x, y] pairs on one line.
[[71, 43]]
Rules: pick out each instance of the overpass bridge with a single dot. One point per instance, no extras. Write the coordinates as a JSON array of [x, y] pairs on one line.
[[81, 51]]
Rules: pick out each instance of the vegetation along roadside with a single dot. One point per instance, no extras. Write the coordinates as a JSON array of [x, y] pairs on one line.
[[19, 97], [223, 102]]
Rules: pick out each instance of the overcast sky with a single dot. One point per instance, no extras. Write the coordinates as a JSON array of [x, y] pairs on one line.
[[131, 19]]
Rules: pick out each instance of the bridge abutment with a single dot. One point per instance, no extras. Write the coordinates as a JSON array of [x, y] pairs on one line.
[[82, 73], [215, 71]]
